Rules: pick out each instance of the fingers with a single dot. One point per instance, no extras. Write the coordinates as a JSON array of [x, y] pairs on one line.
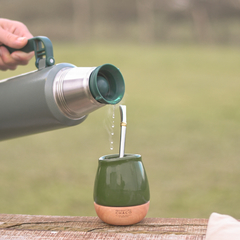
[[13, 33], [10, 61], [12, 40], [22, 57]]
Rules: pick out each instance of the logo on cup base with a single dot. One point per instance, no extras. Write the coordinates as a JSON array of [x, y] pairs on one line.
[[123, 213]]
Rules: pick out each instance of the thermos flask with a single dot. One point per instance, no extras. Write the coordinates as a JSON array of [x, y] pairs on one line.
[[54, 96]]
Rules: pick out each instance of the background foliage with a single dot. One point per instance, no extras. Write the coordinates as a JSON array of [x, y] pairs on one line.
[[145, 21]]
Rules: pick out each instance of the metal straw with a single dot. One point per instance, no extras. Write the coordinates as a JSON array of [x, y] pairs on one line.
[[123, 125]]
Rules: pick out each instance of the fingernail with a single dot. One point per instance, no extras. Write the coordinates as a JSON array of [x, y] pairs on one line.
[[16, 57], [20, 39]]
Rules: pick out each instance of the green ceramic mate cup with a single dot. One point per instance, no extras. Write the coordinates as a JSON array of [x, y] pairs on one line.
[[121, 189]]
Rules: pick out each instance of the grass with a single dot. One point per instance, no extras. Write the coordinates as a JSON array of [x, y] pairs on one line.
[[183, 106]]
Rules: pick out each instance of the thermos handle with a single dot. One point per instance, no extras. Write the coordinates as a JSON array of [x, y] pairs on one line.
[[42, 46]]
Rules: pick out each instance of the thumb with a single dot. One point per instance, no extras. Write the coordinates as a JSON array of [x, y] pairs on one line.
[[12, 40]]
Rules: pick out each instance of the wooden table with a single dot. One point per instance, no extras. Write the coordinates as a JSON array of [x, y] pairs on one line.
[[57, 227]]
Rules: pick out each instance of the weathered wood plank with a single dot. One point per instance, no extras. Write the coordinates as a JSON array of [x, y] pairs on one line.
[[58, 227]]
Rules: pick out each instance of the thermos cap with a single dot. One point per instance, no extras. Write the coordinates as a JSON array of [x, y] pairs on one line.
[[106, 84]]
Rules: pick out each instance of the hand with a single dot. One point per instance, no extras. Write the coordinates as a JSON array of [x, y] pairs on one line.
[[13, 34]]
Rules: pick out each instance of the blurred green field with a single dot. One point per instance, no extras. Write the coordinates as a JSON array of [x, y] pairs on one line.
[[183, 107]]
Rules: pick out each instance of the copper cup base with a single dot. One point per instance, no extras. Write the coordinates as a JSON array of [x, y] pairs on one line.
[[122, 215]]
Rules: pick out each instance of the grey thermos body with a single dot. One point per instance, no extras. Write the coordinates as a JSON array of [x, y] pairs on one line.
[[55, 96]]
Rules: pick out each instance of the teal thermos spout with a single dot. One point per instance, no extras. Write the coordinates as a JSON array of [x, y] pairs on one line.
[[54, 96]]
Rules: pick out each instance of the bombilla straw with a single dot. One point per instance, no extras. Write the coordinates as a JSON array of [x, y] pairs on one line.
[[123, 125]]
